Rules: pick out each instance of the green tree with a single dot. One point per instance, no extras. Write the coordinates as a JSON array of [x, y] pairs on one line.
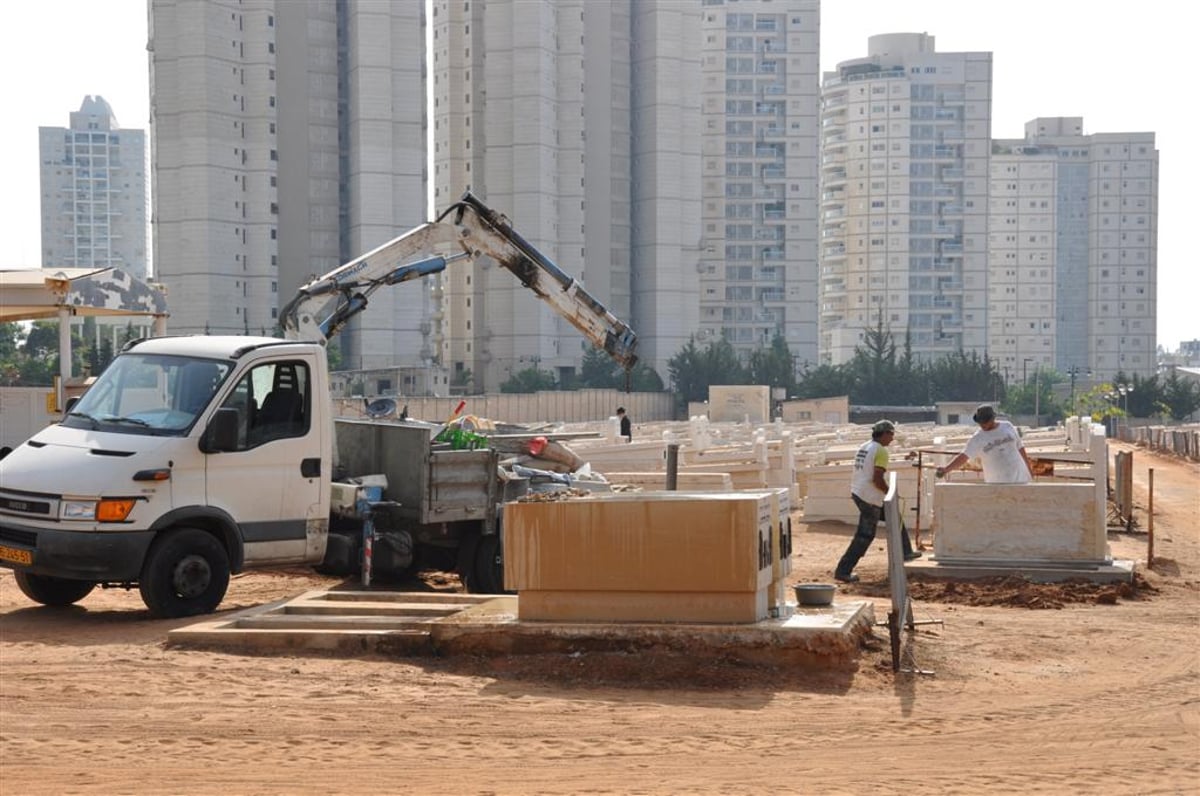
[[773, 366], [1180, 396], [964, 377], [11, 337], [1036, 397], [642, 378], [687, 372], [878, 377], [462, 380], [39, 363], [529, 380], [826, 381], [598, 371], [693, 370], [333, 354]]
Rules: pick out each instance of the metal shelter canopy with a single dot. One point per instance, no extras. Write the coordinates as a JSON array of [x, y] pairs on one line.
[[31, 293]]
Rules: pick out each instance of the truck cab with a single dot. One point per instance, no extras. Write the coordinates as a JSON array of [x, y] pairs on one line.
[[189, 459]]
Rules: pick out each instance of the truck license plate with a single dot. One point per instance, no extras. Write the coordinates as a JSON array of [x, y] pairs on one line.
[[16, 556]]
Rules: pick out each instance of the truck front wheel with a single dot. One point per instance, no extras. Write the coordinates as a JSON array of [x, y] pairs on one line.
[[186, 573], [52, 591]]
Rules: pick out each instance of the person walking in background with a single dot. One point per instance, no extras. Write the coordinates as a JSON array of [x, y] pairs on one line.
[[868, 489], [626, 426], [998, 447]]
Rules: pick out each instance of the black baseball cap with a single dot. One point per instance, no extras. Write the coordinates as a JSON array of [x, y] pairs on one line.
[[984, 414]]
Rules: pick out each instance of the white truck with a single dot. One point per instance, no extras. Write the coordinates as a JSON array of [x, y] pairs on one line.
[[195, 457]]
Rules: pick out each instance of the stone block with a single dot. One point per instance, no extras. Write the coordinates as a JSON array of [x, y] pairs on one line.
[[658, 556], [1043, 522]]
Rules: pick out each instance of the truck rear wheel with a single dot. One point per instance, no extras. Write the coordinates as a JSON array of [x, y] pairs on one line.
[[489, 566], [186, 573], [52, 591]]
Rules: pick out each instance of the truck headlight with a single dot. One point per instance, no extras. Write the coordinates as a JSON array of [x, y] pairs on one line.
[[108, 510]]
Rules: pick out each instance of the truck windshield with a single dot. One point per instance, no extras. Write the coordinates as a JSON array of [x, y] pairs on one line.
[[149, 394]]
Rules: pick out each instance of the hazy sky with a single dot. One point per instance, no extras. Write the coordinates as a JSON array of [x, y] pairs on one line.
[[1122, 66]]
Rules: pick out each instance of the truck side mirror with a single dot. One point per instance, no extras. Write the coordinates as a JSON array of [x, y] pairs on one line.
[[222, 432], [74, 399]]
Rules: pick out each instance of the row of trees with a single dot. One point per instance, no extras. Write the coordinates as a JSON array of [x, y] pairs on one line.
[[880, 373], [883, 373], [29, 355]]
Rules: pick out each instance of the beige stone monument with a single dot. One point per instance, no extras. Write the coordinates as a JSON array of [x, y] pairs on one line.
[[646, 557]]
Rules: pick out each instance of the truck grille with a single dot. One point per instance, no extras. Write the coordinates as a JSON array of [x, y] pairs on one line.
[[34, 505], [16, 536], [24, 506]]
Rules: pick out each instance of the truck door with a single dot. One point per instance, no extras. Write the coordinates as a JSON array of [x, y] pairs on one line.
[[271, 485]]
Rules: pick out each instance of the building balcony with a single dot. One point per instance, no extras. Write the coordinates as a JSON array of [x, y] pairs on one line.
[[835, 103]]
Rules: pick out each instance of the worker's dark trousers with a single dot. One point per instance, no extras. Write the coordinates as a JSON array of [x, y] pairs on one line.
[[868, 521]]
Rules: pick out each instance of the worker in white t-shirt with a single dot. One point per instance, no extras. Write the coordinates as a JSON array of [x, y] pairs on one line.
[[998, 447]]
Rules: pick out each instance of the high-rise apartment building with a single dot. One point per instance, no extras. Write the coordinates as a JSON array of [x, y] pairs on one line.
[[905, 143], [1073, 223], [760, 95], [287, 138], [577, 120], [93, 181]]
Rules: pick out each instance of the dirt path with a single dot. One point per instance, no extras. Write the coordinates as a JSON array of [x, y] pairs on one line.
[[1099, 696]]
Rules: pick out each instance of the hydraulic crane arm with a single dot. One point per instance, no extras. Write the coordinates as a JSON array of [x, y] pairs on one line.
[[467, 230]]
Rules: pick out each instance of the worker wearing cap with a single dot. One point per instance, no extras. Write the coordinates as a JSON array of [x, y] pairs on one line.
[[868, 489], [998, 447]]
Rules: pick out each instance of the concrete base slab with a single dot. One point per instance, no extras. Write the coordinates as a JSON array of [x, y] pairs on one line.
[[1115, 571], [348, 622]]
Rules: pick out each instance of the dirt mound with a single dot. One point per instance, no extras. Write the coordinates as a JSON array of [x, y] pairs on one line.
[[1014, 592]]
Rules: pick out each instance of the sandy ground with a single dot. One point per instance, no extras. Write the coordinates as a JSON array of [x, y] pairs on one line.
[[1036, 690]]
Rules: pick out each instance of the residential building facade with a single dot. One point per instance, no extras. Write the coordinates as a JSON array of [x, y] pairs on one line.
[[1073, 223], [93, 185], [760, 104], [905, 142], [573, 119], [287, 138]]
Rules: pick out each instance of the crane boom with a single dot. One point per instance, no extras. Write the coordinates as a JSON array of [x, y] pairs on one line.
[[467, 230]]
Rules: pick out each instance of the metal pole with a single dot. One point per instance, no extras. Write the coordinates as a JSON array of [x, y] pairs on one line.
[[64, 358], [917, 526], [368, 543], [1037, 395], [672, 466], [1150, 523]]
